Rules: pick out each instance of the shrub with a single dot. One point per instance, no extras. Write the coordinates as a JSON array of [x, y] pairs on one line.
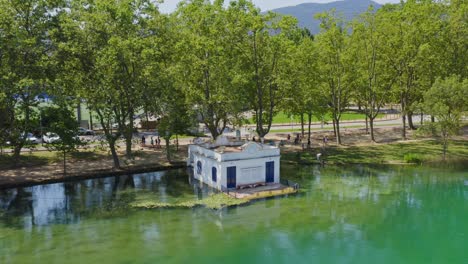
[[413, 158]]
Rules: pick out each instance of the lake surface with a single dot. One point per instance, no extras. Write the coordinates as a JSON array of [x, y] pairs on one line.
[[353, 214]]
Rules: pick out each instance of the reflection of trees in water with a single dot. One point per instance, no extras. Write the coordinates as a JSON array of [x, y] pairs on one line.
[[102, 197], [16, 202]]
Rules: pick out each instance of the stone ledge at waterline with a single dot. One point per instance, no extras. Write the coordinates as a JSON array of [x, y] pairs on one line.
[[214, 201], [98, 173]]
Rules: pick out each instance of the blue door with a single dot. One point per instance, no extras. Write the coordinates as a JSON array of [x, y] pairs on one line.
[[270, 171], [231, 177], [213, 174]]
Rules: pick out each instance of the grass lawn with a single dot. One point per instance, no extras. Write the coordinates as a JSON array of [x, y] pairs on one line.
[[423, 151], [318, 129], [40, 158], [283, 118]]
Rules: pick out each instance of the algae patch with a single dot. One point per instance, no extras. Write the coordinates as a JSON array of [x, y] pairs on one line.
[[214, 201]]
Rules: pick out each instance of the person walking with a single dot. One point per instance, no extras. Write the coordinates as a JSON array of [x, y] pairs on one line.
[[152, 142], [143, 140]]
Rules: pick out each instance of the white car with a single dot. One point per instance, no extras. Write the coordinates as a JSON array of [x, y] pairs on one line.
[[31, 139], [83, 131], [50, 137]]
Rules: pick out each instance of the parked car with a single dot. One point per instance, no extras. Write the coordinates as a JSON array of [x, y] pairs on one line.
[[84, 131], [50, 137], [31, 139]]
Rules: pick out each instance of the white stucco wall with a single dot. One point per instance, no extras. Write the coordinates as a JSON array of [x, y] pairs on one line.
[[206, 173], [210, 161], [252, 163]]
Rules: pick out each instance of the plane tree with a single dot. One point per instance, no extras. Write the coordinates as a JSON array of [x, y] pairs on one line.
[[336, 66], [447, 100], [24, 64], [262, 43], [375, 78]]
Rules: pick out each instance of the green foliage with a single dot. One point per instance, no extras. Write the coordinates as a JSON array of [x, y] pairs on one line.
[[218, 61], [413, 158], [25, 67], [446, 101], [60, 120], [336, 65]]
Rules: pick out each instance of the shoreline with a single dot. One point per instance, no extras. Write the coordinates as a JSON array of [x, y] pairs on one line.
[[38, 169], [104, 173]]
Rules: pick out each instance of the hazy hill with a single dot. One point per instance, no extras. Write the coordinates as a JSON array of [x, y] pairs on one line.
[[305, 12]]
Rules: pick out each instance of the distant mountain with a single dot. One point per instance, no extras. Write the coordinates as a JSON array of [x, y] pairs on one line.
[[305, 12]]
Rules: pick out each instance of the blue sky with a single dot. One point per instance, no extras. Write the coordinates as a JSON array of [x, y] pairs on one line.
[[170, 5]]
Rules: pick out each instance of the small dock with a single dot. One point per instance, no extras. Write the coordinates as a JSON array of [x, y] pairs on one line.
[[259, 192]]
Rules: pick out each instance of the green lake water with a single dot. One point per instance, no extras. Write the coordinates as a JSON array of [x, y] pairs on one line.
[[352, 214]]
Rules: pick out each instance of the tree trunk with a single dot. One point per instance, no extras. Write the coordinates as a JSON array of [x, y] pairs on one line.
[[445, 143], [403, 132], [214, 132], [115, 157], [109, 137], [177, 142], [16, 154], [371, 122], [128, 148], [338, 135], [168, 149], [129, 136], [64, 163], [334, 127], [422, 119], [20, 144], [91, 125], [78, 113], [403, 113], [310, 123], [432, 119], [410, 121], [367, 125], [302, 124]]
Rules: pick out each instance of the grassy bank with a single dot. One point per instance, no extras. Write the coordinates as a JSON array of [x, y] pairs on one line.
[[283, 118], [420, 152]]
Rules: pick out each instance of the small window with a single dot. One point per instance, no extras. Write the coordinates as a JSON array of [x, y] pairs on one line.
[[199, 167], [213, 174]]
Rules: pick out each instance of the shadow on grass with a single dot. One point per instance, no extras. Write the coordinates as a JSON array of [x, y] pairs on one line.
[[430, 150], [87, 155], [26, 160]]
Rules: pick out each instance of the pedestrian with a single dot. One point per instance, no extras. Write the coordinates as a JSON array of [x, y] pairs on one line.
[[159, 142], [289, 137], [143, 140], [152, 142], [253, 139]]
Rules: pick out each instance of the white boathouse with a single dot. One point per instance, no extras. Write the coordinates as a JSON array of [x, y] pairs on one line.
[[228, 165]]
